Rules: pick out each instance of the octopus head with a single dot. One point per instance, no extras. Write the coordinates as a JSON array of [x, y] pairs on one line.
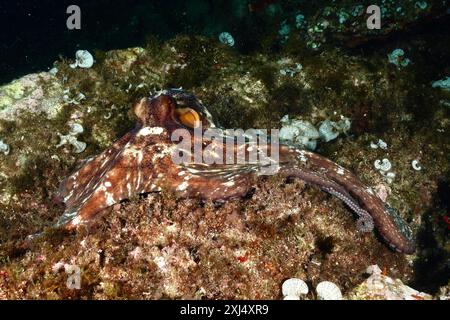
[[172, 109]]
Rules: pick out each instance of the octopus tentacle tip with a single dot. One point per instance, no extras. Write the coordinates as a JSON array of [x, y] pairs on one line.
[[141, 162]]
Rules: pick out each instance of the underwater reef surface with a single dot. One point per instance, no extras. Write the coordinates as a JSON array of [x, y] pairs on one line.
[[158, 246]]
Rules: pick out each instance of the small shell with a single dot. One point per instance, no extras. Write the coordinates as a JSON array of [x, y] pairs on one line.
[[4, 148], [76, 128], [226, 38], [53, 71], [327, 290], [416, 166], [83, 59], [79, 146], [294, 287], [383, 145], [327, 131], [383, 165], [379, 144], [390, 176]]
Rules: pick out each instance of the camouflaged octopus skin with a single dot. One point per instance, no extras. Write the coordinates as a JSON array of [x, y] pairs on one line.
[[141, 162]]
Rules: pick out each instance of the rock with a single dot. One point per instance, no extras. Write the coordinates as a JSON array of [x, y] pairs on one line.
[[300, 133], [34, 93], [382, 287], [191, 249]]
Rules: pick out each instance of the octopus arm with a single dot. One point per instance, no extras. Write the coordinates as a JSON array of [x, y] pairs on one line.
[[81, 189], [71, 188], [345, 185]]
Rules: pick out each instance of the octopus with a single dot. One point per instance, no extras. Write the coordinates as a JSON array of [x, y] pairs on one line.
[[143, 161]]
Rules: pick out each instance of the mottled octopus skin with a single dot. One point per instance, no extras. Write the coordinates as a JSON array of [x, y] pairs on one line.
[[141, 162]]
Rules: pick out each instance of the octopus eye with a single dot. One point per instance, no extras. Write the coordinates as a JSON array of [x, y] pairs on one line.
[[188, 117]]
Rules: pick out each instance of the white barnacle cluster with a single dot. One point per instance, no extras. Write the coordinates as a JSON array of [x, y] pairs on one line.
[[291, 71], [83, 59], [382, 287], [294, 288], [226, 38], [289, 68], [384, 166], [298, 132], [71, 138], [4, 148], [304, 134], [68, 98], [330, 130]]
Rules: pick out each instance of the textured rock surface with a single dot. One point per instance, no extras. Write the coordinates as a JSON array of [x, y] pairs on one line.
[[382, 287], [162, 247], [34, 93]]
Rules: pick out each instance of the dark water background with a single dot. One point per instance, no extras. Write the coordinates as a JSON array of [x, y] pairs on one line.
[[34, 33]]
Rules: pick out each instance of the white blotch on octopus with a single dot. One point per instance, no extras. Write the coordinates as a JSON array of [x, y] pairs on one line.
[[107, 184], [229, 184], [76, 221], [183, 186], [416, 166], [302, 155], [340, 171], [164, 152], [150, 131], [109, 199]]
